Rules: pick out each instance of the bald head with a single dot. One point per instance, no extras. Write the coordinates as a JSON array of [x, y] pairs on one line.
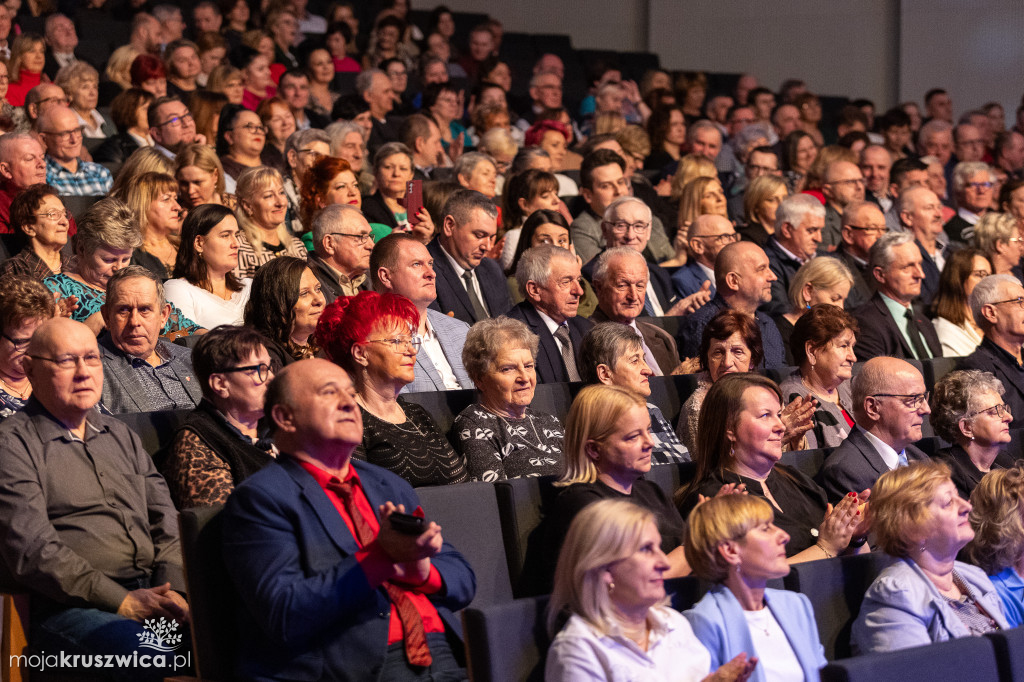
[[883, 401], [70, 392], [732, 257], [53, 334], [708, 235], [61, 133]]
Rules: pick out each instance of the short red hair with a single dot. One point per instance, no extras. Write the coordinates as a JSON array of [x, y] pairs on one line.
[[315, 184], [350, 320], [146, 67], [535, 133]]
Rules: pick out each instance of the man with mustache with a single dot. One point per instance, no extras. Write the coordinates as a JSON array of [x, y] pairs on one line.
[[342, 242]]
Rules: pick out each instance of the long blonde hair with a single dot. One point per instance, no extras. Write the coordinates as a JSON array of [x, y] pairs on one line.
[[144, 191], [251, 182], [594, 416]]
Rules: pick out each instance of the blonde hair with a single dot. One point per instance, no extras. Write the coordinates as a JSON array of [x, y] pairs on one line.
[[603, 533], [991, 228], [689, 200], [143, 160], [899, 505], [998, 520], [119, 66], [758, 191], [690, 168], [21, 45], [822, 272], [634, 140], [72, 76], [251, 182], [594, 416], [144, 191], [203, 157], [609, 122], [220, 76], [718, 520]]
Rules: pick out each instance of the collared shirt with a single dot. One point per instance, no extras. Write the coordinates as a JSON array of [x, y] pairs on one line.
[[28, 264], [884, 450], [652, 299], [898, 312], [89, 180], [709, 272], [171, 155], [83, 514], [970, 217], [789, 254], [648, 355], [551, 325], [459, 270], [349, 285], [432, 347], [64, 58], [93, 125], [160, 385]]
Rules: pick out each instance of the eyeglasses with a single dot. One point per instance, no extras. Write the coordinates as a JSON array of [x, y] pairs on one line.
[[978, 186], [980, 274], [66, 135], [996, 411], [19, 344], [1019, 301], [856, 181], [254, 129], [401, 342], [262, 370], [316, 154], [910, 401], [54, 215], [360, 238], [178, 120], [60, 99], [724, 238], [624, 227], [867, 228], [66, 362]]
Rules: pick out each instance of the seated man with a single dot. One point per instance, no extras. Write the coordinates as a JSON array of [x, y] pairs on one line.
[[921, 214], [863, 223], [400, 264], [620, 282], [331, 590], [342, 242], [61, 131], [799, 220], [997, 304], [890, 323], [972, 186], [142, 372], [549, 280], [89, 527], [293, 87], [22, 164], [889, 405], [744, 281], [171, 126], [706, 238], [844, 184]]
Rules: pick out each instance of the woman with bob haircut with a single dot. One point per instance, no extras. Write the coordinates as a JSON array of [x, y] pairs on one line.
[[760, 201], [732, 541], [205, 286], [968, 410], [129, 114], [820, 280], [285, 304], [739, 441], [373, 337], [262, 207], [926, 596], [610, 584], [997, 517]]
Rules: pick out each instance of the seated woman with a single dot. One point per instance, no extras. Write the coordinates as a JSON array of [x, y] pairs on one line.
[[524, 194], [106, 237], [24, 305], [927, 595], [201, 178], [39, 214], [392, 170], [262, 208], [732, 343], [959, 334], [285, 304], [204, 286], [760, 201], [820, 280], [279, 122], [997, 517], [997, 237], [153, 198], [732, 542], [740, 442], [128, 112], [610, 584], [221, 442], [968, 411], [372, 337], [499, 435], [700, 196], [822, 346], [241, 136], [613, 354]]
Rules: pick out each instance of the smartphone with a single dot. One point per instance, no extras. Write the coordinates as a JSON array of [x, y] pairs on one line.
[[413, 200], [407, 524]]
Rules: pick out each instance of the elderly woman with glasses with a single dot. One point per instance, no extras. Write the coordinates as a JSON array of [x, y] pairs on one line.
[[41, 217], [998, 237], [24, 305], [968, 411], [222, 442], [372, 336]]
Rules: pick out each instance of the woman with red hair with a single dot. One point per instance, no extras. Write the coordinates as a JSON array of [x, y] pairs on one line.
[[553, 137], [373, 337], [148, 73]]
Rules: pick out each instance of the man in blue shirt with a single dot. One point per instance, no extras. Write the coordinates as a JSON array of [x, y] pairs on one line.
[[61, 132]]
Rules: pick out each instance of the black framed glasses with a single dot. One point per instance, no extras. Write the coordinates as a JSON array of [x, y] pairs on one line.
[[177, 120], [253, 129], [724, 238], [19, 344], [867, 228], [911, 401], [262, 370], [996, 411]]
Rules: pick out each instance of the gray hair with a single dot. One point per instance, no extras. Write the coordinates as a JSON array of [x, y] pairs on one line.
[[993, 227], [965, 170], [364, 81], [463, 202], [535, 80], [498, 141], [387, 151], [8, 141], [703, 124], [467, 163], [795, 208], [882, 255], [750, 133], [932, 127], [612, 212], [601, 266], [108, 223], [165, 12], [336, 133], [605, 344], [133, 272], [535, 264], [851, 210], [952, 400], [301, 138], [487, 338], [986, 292], [331, 219], [522, 161]]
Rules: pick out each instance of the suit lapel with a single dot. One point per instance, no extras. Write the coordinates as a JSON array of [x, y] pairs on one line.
[[322, 507], [869, 453], [894, 329], [452, 282], [424, 365]]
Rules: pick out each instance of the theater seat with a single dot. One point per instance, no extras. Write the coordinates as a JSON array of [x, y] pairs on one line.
[[1009, 647], [507, 641], [443, 406], [807, 462], [155, 429], [970, 658], [520, 501], [468, 516], [671, 477]]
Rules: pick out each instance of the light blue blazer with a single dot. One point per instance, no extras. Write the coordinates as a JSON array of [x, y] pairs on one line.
[[903, 609], [451, 333], [720, 625]]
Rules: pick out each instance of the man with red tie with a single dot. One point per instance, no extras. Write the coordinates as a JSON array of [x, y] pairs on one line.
[[330, 588]]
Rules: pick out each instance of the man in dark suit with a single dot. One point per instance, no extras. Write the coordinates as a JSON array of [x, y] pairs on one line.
[[470, 286], [620, 282], [799, 220], [890, 404], [423, 138], [707, 236], [921, 214], [342, 243], [863, 223], [997, 303], [374, 87], [972, 186], [293, 87], [549, 280], [890, 323], [329, 588], [61, 41]]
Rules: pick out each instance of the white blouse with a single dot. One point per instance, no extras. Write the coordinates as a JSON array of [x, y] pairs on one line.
[[204, 308], [957, 341], [775, 656]]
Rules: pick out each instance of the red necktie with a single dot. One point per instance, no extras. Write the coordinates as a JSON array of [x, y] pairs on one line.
[[416, 647]]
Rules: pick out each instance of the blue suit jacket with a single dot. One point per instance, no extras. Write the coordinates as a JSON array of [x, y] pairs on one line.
[[719, 624], [692, 329], [689, 279], [451, 292], [451, 334], [550, 367], [310, 613]]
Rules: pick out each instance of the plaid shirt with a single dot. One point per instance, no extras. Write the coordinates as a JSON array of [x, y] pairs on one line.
[[91, 179]]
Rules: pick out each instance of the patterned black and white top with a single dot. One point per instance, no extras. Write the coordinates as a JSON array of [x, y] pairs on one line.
[[249, 260], [498, 448]]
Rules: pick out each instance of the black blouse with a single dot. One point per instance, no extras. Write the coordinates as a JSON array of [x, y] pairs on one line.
[[966, 476]]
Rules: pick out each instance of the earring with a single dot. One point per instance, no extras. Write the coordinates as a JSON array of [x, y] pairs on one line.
[[611, 586]]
